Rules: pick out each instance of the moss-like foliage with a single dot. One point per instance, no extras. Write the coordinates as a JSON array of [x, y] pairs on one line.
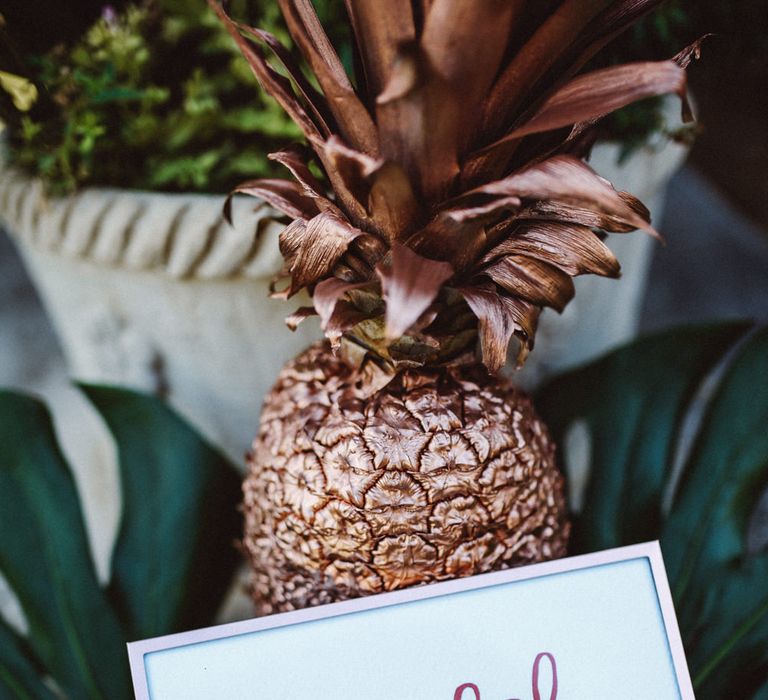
[[154, 97]]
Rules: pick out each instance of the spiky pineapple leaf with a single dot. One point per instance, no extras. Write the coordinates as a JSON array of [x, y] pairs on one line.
[[354, 121], [453, 127], [174, 557], [285, 196], [600, 92], [410, 285], [572, 248], [634, 403], [379, 29], [450, 41], [277, 85], [565, 178], [501, 317], [315, 101], [541, 51], [45, 557]]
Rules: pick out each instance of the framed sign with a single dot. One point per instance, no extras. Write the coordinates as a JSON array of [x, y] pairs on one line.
[[594, 627]]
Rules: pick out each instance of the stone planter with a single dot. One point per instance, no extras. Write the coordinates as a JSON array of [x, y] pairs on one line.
[[158, 292]]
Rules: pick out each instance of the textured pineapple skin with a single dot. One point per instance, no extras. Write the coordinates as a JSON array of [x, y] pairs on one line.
[[445, 472]]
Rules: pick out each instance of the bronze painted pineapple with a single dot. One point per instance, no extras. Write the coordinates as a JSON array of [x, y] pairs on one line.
[[441, 203], [441, 473]]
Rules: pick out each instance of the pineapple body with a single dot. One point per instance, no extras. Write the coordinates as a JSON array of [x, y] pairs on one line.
[[445, 472]]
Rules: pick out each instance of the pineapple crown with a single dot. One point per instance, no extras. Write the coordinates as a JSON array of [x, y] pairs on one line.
[[454, 203]]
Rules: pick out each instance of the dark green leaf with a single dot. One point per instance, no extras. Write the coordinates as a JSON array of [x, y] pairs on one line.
[[44, 556], [704, 537], [762, 693], [118, 94], [175, 553], [19, 675], [726, 472], [632, 401], [730, 658]]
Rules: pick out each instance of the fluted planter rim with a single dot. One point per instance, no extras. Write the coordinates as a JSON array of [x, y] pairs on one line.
[[182, 235]]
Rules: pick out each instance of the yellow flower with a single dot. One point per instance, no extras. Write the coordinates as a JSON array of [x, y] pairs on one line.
[[22, 92]]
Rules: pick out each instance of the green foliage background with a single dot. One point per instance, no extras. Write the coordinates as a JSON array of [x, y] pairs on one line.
[[156, 97], [659, 35], [174, 556]]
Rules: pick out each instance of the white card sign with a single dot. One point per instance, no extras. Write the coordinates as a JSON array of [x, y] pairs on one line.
[[594, 627]]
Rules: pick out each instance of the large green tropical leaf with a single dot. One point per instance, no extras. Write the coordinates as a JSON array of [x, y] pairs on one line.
[[704, 536], [634, 404], [19, 676], [172, 563], [44, 555], [175, 551]]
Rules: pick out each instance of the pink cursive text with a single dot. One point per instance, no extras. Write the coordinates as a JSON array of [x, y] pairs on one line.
[[459, 692]]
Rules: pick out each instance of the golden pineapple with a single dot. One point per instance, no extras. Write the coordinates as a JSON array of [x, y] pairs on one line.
[[448, 203], [441, 473]]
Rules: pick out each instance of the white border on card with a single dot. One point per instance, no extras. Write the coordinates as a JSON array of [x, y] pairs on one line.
[[647, 550]]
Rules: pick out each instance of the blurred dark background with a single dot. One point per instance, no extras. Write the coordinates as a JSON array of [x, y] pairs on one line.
[[730, 86]]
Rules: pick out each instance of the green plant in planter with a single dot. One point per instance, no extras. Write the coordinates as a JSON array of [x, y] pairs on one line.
[[637, 405], [154, 97], [173, 559]]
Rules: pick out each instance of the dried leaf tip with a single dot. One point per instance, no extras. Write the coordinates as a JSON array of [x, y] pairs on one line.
[[409, 285]]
